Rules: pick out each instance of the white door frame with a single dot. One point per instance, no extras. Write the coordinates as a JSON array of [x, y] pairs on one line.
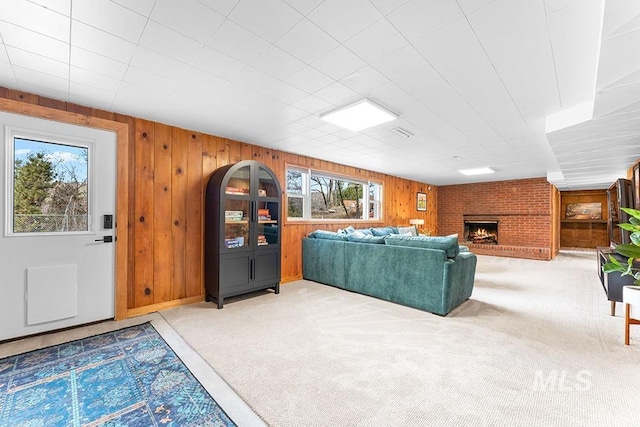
[[122, 183]]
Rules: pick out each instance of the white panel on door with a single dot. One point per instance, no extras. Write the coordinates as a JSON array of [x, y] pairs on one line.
[[52, 293]]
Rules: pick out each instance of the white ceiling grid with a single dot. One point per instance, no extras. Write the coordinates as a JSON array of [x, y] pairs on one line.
[[473, 79]]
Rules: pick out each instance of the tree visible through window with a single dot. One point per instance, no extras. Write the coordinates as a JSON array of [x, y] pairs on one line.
[[50, 192], [317, 195]]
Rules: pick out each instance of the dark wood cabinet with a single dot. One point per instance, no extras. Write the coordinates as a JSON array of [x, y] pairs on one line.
[[619, 195], [242, 231], [612, 283]]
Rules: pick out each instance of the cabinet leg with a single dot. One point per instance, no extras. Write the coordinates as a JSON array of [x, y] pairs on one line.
[[220, 302], [626, 323], [613, 308], [277, 288]]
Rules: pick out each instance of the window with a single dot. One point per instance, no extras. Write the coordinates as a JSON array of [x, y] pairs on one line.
[[49, 186], [319, 195]]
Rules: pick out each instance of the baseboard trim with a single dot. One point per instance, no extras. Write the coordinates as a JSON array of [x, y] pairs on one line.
[[139, 311]]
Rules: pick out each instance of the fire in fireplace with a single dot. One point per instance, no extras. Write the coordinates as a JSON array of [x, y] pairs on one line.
[[481, 232]]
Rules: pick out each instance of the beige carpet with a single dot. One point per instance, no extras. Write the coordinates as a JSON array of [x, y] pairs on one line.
[[534, 346]]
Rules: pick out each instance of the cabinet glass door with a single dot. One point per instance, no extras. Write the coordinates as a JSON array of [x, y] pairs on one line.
[[267, 186], [237, 210], [267, 223]]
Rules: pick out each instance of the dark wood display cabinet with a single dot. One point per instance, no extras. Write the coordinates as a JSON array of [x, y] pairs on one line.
[[619, 195], [242, 231]]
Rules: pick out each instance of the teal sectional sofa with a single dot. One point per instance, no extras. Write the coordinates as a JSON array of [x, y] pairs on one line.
[[427, 273]]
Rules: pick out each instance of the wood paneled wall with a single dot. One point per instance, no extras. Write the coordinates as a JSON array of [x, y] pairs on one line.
[[583, 233], [168, 168]]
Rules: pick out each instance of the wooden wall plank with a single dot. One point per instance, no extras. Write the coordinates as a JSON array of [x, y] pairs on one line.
[[162, 226], [194, 283], [179, 167], [144, 214]]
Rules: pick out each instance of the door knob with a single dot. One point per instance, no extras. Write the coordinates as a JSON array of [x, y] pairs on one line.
[[106, 239]]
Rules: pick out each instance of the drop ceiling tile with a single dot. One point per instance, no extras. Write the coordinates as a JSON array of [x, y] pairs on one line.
[[337, 94], [339, 63], [97, 63], [223, 7], [32, 41], [616, 58], [310, 80], [291, 113], [270, 19], [170, 43], [36, 18], [255, 80], [237, 94], [312, 104], [278, 63], [151, 61], [364, 80], [61, 6], [304, 6], [400, 63], [111, 18], [90, 95], [43, 84], [237, 42], [376, 41], [575, 50], [31, 61], [188, 17], [307, 42], [102, 43], [219, 64], [142, 7], [387, 6], [142, 78], [503, 16], [92, 79], [286, 93], [417, 18], [342, 19]]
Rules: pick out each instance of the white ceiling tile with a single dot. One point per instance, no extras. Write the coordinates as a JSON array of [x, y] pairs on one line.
[[364, 80], [219, 64], [278, 63], [143, 7], [376, 41], [43, 84], [270, 19], [285, 92], [342, 20], [387, 6], [32, 61], [237, 42], [97, 63], [151, 61], [307, 42], [555, 5], [170, 43], [3, 54], [138, 77], [312, 104], [304, 6], [223, 7], [417, 18], [188, 17], [197, 81], [61, 6], [575, 50], [400, 63], [310, 80], [94, 80], [255, 80], [339, 63], [102, 43], [503, 16], [90, 95], [469, 6], [111, 18], [32, 41], [237, 94], [525, 54], [291, 113], [337, 94], [37, 18]]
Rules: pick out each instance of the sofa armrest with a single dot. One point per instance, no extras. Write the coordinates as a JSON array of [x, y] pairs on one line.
[[459, 276], [323, 261]]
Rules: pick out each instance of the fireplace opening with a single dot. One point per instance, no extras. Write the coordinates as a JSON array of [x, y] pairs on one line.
[[481, 232]]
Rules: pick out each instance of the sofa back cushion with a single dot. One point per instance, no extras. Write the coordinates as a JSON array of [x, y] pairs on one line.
[[411, 231], [328, 235], [447, 244], [359, 237], [383, 231]]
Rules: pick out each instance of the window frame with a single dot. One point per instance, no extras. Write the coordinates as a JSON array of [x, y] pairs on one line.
[[11, 134], [307, 172]]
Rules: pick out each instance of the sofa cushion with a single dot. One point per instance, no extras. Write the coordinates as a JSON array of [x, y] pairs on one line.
[[383, 231], [447, 244], [365, 238], [328, 235]]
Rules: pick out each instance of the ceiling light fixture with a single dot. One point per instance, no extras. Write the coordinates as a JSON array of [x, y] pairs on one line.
[[477, 171], [358, 116]]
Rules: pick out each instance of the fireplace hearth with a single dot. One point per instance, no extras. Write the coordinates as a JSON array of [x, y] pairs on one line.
[[481, 232]]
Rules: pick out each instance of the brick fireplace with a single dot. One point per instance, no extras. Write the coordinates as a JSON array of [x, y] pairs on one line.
[[520, 209]]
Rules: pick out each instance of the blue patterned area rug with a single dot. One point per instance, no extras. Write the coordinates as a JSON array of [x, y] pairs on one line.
[[128, 377]]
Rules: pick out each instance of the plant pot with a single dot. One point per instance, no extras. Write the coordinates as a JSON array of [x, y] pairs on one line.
[[631, 296]]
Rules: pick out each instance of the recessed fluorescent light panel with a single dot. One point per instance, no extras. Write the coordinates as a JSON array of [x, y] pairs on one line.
[[359, 115], [477, 171]]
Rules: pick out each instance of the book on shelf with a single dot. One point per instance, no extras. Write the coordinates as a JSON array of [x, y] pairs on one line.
[[262, 240], [231, 243], [235, 190], [262, 192]]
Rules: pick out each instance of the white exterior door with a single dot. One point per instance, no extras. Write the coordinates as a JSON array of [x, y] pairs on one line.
[[58, 191]]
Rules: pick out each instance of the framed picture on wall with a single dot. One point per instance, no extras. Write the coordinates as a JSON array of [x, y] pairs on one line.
[[421, 201]]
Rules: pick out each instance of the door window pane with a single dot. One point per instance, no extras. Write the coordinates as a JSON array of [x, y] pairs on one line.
[[50, 187]]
